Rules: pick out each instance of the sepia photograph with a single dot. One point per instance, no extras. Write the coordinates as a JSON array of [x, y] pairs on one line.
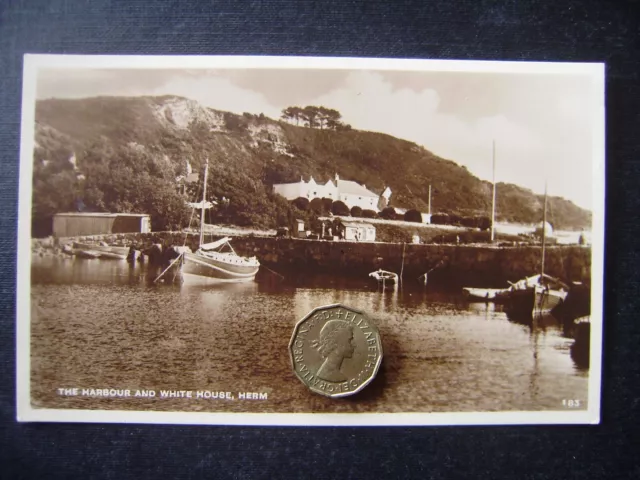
[[310, 241]]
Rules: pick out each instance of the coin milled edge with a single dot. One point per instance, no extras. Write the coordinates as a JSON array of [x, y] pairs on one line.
[[311, 314]]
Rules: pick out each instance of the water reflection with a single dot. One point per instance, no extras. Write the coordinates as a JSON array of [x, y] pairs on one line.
[[99, 322]]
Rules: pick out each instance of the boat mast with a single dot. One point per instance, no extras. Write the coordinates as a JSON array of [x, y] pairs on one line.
[[493, 200], [204, 198], [544, 229]]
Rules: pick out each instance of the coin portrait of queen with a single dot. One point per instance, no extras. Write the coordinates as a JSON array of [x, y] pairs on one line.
[[335, 343]]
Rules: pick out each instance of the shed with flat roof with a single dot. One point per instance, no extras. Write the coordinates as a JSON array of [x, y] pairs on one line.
[[96, 223]]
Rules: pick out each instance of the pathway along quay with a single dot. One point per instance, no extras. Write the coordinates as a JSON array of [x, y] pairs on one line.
[[450, 266]]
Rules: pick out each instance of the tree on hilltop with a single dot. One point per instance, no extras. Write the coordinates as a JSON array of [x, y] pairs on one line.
[[292, 113], [315, 117]]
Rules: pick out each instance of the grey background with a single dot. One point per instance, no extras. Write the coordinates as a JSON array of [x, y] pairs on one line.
[[537, 30]]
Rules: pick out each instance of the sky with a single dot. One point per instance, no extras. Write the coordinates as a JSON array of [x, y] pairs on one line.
[[541, 124]]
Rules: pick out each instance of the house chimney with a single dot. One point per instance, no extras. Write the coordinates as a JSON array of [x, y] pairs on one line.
[[337, 177]]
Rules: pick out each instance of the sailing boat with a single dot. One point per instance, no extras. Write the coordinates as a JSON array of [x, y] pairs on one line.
[[489, 294], [211, 261], [539, 294]]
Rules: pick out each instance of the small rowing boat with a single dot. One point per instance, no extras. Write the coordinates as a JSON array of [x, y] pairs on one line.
[[385, 277], [112, 256], [106, 251], [86, 253], [485, 294]]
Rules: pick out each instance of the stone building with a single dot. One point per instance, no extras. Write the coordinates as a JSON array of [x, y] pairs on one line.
[[351, 193]]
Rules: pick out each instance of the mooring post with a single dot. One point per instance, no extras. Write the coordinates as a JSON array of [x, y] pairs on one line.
[[402, 267]]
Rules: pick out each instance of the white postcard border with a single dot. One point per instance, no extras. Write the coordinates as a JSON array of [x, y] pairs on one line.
[[26, 413]]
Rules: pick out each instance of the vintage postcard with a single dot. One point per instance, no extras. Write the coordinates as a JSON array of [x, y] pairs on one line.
[[310, 241]]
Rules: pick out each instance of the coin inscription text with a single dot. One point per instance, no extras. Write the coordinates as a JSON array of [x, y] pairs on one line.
[[336, 350]]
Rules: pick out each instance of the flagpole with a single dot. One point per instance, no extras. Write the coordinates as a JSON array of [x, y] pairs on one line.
[[493, 201], [544, 228], [204, 199]]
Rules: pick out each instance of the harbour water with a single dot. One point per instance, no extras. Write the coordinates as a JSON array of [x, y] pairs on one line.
[[98, 324]]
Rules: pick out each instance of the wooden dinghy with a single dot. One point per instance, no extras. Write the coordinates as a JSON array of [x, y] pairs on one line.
[[87, 254], [385, 277], [485, 294]]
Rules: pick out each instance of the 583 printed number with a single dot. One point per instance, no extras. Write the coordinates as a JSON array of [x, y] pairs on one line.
[[571, 403]]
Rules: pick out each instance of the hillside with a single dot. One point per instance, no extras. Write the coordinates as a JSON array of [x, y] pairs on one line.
[[119, 141]]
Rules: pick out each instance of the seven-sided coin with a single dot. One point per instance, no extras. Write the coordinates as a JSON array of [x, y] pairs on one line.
[[336, 350]]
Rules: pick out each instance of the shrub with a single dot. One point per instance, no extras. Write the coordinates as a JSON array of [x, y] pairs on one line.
[[469, 222], [340, 208], [483, 223], [388, 213], [356, 211], [316, 206], [300, 203], [413, 216], [234, 123], [327, 203], [440, 219], [369, 214], [455, 219]]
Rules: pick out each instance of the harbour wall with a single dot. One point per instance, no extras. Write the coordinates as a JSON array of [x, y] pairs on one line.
[[451, 265]]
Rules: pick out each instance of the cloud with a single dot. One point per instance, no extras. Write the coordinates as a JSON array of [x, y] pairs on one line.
[[219, 93], [525, 155], [540, 125], [205, 87]]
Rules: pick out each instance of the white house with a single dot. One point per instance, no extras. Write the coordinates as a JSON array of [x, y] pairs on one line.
[[359, 232], [351, 193]]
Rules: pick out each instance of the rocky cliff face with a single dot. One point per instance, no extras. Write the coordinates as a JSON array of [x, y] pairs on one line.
[[249, 152]]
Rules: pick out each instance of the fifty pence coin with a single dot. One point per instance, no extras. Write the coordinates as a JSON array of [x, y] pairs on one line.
[[335, 350]]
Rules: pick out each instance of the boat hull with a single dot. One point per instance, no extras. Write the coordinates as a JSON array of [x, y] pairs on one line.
[[485, 294], [217, 270], [384, 277], [108, 251], [546, 299], [535, 300], [89, 254]]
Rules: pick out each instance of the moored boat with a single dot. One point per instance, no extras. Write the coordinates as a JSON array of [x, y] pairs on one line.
[[580, 350], [577, 303], [539, 294], [109, 251], [211, 263], [112, 256], [384, 277], [86, 253], [485, 294], [536, 295]]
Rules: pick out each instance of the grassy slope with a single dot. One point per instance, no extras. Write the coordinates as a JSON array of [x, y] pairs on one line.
[[375, 159]]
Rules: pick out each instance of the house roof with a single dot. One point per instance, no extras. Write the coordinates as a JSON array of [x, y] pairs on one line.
[[357, 224], [100, 214], [353, 188]]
